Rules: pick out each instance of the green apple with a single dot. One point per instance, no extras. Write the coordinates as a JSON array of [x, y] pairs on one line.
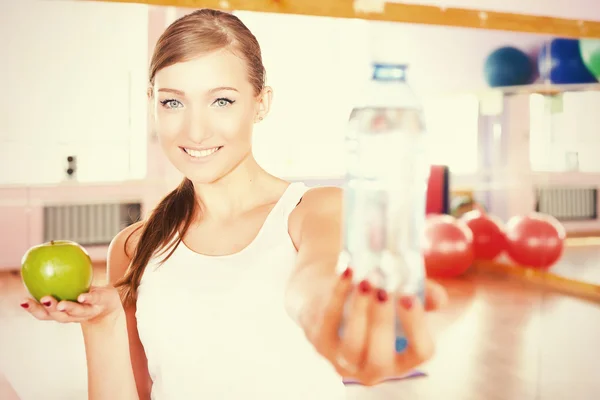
[[60, 268]]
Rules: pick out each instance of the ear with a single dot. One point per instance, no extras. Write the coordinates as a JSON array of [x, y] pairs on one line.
[[264, 100], [150, 105]]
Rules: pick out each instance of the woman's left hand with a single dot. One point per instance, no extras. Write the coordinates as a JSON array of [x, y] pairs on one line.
[[364, 348], [436, 296]]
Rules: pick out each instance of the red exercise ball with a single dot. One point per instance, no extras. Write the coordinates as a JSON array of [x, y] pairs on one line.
[[535, 240], [488, 234], [448, 246]]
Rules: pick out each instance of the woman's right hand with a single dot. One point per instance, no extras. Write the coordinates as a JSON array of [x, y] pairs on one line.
[[101, 303]]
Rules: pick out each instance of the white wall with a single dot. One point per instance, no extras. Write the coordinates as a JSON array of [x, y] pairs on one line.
[[318, 65], [73, 78]]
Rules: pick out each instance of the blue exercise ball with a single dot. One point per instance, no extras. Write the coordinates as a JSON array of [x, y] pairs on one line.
[[560, 62], [508, 66]]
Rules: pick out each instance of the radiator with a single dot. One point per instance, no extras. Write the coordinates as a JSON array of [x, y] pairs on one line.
[[568, 203], [88, 224]]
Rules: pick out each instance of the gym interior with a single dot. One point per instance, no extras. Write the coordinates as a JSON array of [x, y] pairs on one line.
[[510, 95]]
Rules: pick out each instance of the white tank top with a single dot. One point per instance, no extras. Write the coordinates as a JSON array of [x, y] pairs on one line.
[[215, 327]]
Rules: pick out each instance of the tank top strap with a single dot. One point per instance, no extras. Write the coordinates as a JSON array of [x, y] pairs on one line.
[[292, 197]]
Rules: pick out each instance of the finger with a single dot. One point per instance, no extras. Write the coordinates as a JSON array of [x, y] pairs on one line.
[[420, 346], [335, 308], [380, 355], [333, 313], [93, 297], [353, 333], [35, 309], [436, 296], [50, 304], [77, 311]]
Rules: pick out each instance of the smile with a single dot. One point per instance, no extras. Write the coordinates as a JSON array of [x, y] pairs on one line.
[[201, 153]]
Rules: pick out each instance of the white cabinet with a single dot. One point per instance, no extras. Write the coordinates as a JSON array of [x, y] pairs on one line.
[[73, 81]]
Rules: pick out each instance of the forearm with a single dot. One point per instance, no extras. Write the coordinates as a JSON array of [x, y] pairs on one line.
[[110, 372], [316, 230], [309, 282]]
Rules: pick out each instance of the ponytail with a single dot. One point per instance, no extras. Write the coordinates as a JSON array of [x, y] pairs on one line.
[[173, 215]]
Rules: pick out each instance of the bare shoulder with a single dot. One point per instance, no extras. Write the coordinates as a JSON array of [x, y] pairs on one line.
[[321, 200], [321, 204], [121, 250]]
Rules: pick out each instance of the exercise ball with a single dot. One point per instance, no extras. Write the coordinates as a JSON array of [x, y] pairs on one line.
[[508, 66], [560, 62], [535, 240], [488, 234], [590, 54], [448, 246]]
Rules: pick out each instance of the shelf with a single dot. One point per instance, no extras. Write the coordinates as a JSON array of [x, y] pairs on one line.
[[546, 88], [392, 11]]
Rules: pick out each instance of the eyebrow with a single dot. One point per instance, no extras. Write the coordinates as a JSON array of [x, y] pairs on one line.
[[182, 93]]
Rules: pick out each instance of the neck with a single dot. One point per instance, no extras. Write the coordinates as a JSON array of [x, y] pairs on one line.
[[229, 196]]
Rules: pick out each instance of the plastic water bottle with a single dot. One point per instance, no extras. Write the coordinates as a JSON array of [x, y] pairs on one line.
[[387, 171]]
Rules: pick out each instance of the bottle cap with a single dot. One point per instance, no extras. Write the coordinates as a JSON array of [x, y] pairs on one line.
[[389, 72]]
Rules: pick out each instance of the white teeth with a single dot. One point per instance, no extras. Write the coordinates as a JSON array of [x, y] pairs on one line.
[[201, 153]]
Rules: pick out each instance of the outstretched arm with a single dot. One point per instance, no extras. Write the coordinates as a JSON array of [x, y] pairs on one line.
[[317, 294]]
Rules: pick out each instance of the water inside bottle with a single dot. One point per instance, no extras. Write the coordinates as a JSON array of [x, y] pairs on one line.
[[385, 196]]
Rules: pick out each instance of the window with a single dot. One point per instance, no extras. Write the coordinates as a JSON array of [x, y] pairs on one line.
[[316, 67], [452, 128], [312, 66], [564, 132]]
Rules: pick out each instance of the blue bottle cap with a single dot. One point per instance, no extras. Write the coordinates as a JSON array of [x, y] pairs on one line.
[[389, 72]]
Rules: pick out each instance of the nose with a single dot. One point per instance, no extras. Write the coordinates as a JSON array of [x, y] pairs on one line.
[[198, 126]]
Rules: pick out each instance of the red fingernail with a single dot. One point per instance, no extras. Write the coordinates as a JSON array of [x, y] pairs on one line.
[[47, 303], [382, 295], [406, 302], [347, 273], [24, 305], [364, 286]]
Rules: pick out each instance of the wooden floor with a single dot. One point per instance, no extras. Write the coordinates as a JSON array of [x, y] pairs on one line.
[[498, 340]]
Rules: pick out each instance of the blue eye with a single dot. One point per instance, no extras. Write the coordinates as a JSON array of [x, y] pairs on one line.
[[223, 102], [171, 103]]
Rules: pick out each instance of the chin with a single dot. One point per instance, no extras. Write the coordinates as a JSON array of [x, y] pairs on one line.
[[202, 176]]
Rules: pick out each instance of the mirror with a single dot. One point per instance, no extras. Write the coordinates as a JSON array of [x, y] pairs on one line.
[[77, 144]]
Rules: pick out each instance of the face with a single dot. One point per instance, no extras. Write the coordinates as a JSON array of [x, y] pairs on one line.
[[204, 113]]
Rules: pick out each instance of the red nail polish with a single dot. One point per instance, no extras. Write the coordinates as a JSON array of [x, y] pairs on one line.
[[364, 286], [406, 302], [47, 303], [24, 305], [382, 295], [347, 273]]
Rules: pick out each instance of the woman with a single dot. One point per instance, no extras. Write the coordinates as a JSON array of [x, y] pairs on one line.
[[229, 289]]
